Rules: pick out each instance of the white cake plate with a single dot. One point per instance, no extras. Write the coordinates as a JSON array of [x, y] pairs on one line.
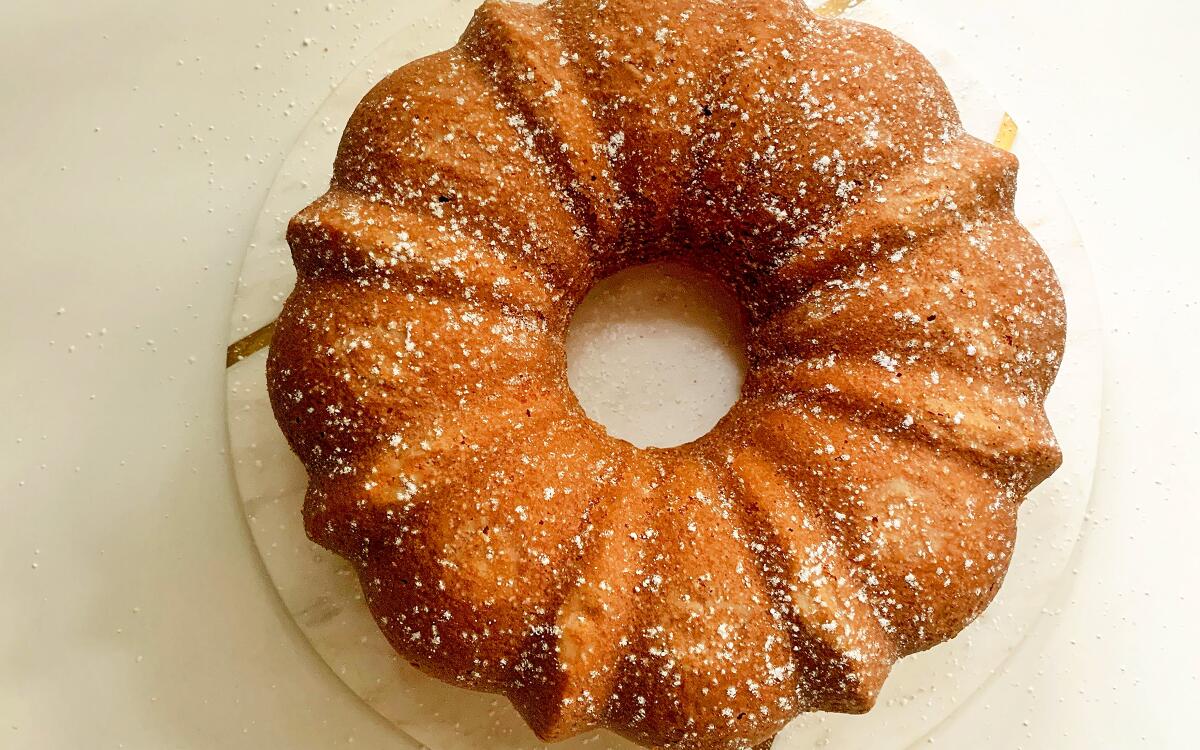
[[322, 594]]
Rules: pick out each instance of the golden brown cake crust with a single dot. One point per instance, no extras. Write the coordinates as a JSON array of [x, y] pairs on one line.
[[856, 505]]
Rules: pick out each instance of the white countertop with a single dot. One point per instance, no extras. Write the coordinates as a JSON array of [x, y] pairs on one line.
[[138, 140]]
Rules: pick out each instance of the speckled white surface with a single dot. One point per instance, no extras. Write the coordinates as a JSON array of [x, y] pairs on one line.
[[139, 141], [321, 591]]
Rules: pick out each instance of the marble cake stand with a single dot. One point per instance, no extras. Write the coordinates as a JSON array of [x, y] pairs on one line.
[[322, 594]]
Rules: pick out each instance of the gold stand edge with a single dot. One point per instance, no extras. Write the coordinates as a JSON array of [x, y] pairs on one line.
[[1007, 134], [250, 344], [834, 8]]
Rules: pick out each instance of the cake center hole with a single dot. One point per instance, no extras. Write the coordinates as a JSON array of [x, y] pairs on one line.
[[654, 353]]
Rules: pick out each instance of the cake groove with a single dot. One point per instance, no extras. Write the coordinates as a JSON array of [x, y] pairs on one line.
[[555, 116]]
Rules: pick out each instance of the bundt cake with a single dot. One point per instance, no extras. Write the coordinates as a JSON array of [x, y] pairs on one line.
[[857, 504]]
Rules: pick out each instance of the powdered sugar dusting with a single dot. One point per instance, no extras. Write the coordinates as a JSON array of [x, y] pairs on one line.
[[856, 505]]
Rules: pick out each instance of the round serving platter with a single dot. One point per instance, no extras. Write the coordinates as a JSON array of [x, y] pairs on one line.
[[321, 592]]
